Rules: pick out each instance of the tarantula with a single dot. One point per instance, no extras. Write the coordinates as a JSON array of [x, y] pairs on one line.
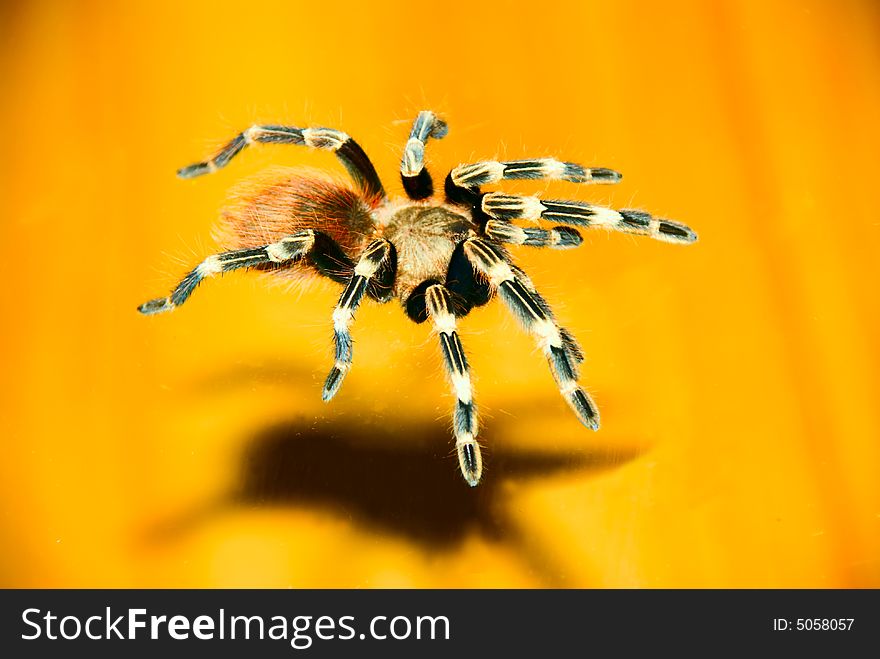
[[440, 257]]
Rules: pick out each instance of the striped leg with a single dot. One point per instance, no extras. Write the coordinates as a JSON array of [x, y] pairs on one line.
[[287, 249], [346, 149], [439, 305], [416, 179], [509, 207], [463, 182], [369, 266], [563, 354], [556, 238]]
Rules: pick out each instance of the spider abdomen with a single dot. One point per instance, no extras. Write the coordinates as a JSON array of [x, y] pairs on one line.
[[282, 202]]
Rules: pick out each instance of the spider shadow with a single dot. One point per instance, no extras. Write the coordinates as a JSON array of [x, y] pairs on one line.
[[402, 481]]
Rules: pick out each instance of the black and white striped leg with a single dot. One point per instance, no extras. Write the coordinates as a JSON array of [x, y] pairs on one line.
[[491, 171], [416, 179], [563, 354], [369, 264], [463, 183], [509, 207], [464, 419], [555, 238], [287, 249], [346, 149]]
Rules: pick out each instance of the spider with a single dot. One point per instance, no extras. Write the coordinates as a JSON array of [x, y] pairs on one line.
[[439, 257]]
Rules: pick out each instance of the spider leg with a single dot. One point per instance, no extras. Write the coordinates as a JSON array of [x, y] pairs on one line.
[[346, 149], [463, 182], [465, 428], [563, 354], [368, 269], [556, 238], [416, 179], [508, 207], [285, 250], [491, 171]]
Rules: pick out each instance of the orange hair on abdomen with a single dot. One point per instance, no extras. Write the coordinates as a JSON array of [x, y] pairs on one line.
[[280, 202]]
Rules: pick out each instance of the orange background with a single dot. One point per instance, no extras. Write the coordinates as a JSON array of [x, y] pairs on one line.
[[737, 378]]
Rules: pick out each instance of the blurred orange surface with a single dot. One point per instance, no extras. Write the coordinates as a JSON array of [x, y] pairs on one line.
[[737, 377]]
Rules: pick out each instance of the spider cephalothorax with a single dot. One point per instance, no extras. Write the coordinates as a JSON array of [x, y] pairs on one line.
[[441, 258]]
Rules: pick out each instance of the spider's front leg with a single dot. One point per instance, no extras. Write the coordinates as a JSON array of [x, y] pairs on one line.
[[463, 183], [506, 207], [440, 309], [286, 250], [554, 238], [377, 267], [562, 352]]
